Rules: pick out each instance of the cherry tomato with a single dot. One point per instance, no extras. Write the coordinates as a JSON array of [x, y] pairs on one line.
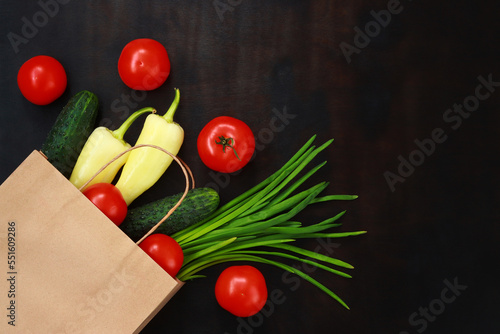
[[226, 144], [144, 64], [165, 251], [109, 200], [42, 79], [241, 290]]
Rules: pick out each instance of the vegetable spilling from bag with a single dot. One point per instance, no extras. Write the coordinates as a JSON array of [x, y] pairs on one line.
[[145, 166], [101, 146], [258, 226]]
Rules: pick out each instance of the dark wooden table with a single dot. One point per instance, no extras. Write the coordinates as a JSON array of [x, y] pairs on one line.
[[410, 91]]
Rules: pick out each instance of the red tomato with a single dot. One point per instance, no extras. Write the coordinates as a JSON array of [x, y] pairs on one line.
[[165, 251], [109, 200], [226, 144], [144, 64], [42, 80], [241, 290]]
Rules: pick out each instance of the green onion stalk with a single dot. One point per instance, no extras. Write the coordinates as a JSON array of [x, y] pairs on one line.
[[258, 225]]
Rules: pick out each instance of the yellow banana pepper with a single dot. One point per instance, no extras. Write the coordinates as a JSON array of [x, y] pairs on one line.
[[100, 148], [146, 165]]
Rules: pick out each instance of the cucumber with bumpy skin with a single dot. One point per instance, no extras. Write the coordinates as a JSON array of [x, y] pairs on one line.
[[198, 204], [73, 126]]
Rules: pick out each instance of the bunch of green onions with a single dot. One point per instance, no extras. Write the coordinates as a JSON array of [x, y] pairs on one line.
[[257, 226]]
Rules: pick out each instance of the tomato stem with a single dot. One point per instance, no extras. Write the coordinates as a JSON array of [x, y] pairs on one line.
[[227, 142]]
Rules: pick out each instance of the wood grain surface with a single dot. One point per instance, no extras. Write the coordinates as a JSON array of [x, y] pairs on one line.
[[409, 90]]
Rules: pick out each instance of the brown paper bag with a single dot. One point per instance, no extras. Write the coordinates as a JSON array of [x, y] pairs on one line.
[[66, 268]]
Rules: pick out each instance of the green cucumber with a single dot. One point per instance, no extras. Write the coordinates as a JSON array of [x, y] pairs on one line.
[[70, 131], [198, 204]]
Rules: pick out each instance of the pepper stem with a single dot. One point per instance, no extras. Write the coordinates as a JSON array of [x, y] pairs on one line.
[[227, 142], [120, 132], [169, 115]]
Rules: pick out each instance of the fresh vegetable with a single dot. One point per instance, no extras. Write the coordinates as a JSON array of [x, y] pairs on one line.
[[263, 217], [144, 64], [101, 147], [70, 131], [42, 80], [109, 200], [196, 206], [146, 165], [226, 144], [241, 290], [165, 251]]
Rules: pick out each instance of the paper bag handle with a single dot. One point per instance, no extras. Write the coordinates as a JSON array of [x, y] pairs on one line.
[[185, 170]]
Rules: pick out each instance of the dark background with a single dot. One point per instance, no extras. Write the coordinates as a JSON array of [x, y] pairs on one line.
[[251, 59]]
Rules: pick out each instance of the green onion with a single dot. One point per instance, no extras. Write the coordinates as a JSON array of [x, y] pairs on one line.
[[257, 226]]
